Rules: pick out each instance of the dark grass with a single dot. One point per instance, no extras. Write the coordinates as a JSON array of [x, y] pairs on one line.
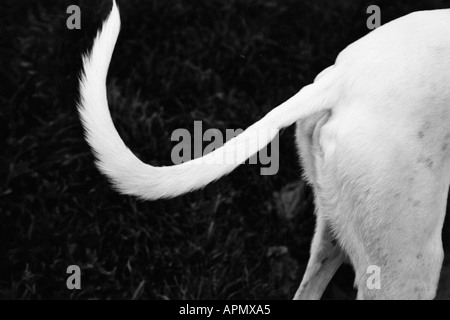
[[226, 63]]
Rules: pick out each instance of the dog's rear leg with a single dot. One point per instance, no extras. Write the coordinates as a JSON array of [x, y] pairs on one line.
[[326, 257]]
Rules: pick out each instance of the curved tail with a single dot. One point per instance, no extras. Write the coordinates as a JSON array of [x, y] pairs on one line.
[[133, 177]]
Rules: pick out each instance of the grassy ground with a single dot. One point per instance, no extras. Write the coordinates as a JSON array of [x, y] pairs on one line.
[[226, 63]]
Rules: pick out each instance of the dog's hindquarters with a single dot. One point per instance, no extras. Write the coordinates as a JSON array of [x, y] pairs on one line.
[[383, 199], [381, 171]]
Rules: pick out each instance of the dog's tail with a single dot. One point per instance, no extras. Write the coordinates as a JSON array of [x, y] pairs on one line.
[[133, 177]]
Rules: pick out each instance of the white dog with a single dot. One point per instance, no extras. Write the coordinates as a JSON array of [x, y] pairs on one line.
[[373, 132]]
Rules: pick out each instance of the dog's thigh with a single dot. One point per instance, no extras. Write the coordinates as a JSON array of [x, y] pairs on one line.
[[386, 203]]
